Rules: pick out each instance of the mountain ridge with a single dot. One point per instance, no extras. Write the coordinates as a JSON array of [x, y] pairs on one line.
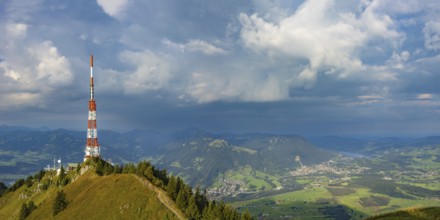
[[91, 196], [33, 149], [202, 158], [99, 190]]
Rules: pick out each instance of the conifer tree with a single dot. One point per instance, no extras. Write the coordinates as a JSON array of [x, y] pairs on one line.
[[149, 173], [162, 175], [78, 168], [29, 181], [201, 200], [208, 211], [3, 188], [246, 215], [38, 176], [23, 212], [142, 166], [129, 168], [172, 188], [62, 172], [218, 210], [60, 203], [62, 181], [26, 210], [192, 211], [182, 199], [108, 169], [115, 169], [180, 185]]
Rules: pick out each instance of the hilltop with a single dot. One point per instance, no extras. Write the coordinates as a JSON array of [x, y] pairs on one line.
[[98, 190]]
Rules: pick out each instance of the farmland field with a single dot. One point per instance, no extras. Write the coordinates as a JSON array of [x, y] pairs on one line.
[[393, 181]]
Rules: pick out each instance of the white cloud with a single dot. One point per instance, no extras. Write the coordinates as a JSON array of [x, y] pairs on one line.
[[113, 7], [398, 60], [16, 30], [432, 35], [370, 97], [152, 72], [19, 100], [295, 50], [209, 87], [31, 69], [52, 66], [31, 65], [329, 41], [274, 10], [196, 46], [425, 96]]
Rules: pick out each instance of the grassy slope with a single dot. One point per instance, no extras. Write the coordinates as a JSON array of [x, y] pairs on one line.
[[411, 214], [118, 196]]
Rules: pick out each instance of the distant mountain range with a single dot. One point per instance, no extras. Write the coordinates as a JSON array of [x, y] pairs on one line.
[[370, 146], [195, 154], [201, 157], [25, 151]]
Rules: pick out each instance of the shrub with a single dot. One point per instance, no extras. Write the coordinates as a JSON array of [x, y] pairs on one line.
[[60, 202], [26, 210]]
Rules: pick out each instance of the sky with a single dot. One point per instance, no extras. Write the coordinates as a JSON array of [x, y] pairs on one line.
[[313, 67]]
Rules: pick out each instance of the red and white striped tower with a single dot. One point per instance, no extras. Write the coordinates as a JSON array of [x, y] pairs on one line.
[[92, 145]]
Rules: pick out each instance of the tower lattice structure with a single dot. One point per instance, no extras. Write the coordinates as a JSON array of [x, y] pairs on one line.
[[92, 146]]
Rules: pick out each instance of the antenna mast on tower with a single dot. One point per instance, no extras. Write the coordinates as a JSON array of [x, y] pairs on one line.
[[92, 145]]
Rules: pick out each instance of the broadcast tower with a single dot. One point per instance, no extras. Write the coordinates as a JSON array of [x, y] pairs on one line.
[[92, 145]]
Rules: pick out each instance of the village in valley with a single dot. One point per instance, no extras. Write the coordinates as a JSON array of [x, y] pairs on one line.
[[340, 171]]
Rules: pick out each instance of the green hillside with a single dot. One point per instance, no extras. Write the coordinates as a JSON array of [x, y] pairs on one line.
[[116, 196], [98, 190], [202, 158], [430, 213]]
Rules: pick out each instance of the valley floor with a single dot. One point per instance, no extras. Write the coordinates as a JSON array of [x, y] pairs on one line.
[[345, 188]]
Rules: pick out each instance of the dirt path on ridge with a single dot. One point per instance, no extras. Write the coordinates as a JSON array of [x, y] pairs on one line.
[[163, 198]]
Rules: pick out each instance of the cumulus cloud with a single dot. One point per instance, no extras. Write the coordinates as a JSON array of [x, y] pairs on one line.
[[328, 41], [52, 66], [33, 63], [432, 35], [31, 69], [113, 7], [151, 72], [208, 87], [196, 46], [398, 60], [293, 51], [146, 72]]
